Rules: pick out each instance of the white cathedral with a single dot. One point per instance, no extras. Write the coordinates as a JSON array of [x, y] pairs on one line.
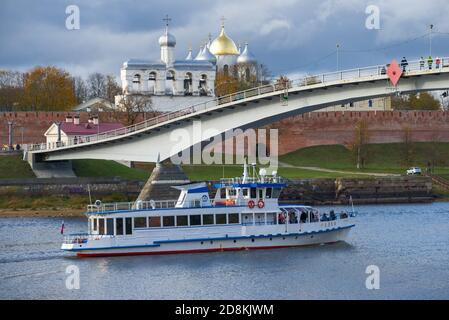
[[175, 84]]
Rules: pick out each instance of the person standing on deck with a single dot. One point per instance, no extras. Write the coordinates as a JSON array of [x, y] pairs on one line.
[[437, 63], [404, 64], [430, 62], [421, 63]]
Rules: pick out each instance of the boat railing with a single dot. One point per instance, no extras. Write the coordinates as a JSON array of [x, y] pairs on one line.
[[265, 179], [131, 206], [83, 238]]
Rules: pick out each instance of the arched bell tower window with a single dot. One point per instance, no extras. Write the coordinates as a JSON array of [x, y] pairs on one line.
[[152, 82], [136, 78], [171, 82], [226, 69], [203, 85], [188, 84], [136, 82]]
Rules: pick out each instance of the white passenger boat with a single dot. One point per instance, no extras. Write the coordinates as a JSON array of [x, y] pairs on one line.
[[244, 214]]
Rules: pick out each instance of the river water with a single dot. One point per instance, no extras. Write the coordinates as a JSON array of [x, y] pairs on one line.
[[408, 243]]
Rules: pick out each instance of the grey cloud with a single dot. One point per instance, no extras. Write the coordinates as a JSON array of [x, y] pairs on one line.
[[289, 36]]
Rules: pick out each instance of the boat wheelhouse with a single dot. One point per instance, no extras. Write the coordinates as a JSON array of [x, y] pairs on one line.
[[243, 214]]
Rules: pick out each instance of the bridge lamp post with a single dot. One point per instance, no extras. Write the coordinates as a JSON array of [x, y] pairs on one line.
[[10, 134], [338, 57], [430, 39], [58, 125]]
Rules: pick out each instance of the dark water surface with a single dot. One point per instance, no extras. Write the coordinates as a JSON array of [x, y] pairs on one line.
[[409, 244]]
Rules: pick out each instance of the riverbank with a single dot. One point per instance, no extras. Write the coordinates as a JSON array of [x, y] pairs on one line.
[[40, 213]]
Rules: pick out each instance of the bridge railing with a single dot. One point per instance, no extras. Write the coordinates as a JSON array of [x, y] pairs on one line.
[[305, 81]]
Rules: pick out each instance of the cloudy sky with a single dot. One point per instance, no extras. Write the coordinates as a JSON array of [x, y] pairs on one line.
[[289, 36]]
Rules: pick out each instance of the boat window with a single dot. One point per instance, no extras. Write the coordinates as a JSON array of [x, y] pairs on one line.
[[119, 226], [154, 222], [276, 193], [271, 218], [233, 218], [220, 219], [260, 218], [140, 222], [260, 193], [268, 193], [181, 221], [208, 219], [101, 226], [195, 220], [110, 226], [304, 216], [253, 193], [129, 225], [168, 221], [292, 216], [245, 192], [95, 224], [247, 218]]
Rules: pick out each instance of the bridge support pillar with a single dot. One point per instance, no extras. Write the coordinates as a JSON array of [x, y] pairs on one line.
[[49, 169], [159, 185]]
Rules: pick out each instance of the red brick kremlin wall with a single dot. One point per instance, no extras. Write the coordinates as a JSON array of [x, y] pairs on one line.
[[316, 128]]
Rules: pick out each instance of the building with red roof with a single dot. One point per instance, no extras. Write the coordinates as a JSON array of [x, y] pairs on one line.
[[72, 127]]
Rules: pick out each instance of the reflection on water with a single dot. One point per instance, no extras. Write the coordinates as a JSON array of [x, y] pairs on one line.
[[409, 243]]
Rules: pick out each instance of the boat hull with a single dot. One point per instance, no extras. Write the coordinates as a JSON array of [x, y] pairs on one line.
[[224, 244]]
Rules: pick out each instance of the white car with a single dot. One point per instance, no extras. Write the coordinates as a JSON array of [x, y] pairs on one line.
[[414, 170]]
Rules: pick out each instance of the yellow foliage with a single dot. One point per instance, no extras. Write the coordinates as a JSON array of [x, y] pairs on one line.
[[48, 89]]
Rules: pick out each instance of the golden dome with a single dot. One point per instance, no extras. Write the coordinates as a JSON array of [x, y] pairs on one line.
[[223, 45]]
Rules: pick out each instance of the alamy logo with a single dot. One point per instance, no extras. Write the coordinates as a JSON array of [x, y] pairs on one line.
[[72, 281], [373, 280], [72, 22], [210, 146], [372, 22]]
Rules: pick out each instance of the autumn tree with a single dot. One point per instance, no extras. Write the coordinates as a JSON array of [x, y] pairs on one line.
[[11, 90], [81, 90], [225, 84], [112, 88], [408, 150], [421, 101], [131, 106], [48, 89], [242, 76], [360, 143], [96, 83]]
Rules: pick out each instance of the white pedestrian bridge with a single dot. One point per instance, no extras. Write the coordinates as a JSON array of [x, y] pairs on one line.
[[151, 139]]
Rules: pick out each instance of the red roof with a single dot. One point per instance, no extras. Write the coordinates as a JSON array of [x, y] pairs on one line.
[[85, 129]]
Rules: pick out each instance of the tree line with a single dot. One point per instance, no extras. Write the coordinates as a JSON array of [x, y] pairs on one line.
[[52, 89]]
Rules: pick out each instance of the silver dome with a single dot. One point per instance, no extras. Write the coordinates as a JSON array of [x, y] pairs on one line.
[[167, 39], [246, 56], [206, 55]]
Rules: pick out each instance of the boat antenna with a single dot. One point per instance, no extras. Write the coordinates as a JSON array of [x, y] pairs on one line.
[[245, 171], [352, 205], [90, 196]]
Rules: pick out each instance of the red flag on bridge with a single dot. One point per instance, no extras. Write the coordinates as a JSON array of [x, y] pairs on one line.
[[394, 72]]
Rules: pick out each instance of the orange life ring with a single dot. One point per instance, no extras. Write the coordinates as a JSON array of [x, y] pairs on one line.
[[260, 204], [251, 204]]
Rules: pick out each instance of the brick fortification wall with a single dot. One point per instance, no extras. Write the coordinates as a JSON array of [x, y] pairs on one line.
[[326, 128], [316, 128]]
